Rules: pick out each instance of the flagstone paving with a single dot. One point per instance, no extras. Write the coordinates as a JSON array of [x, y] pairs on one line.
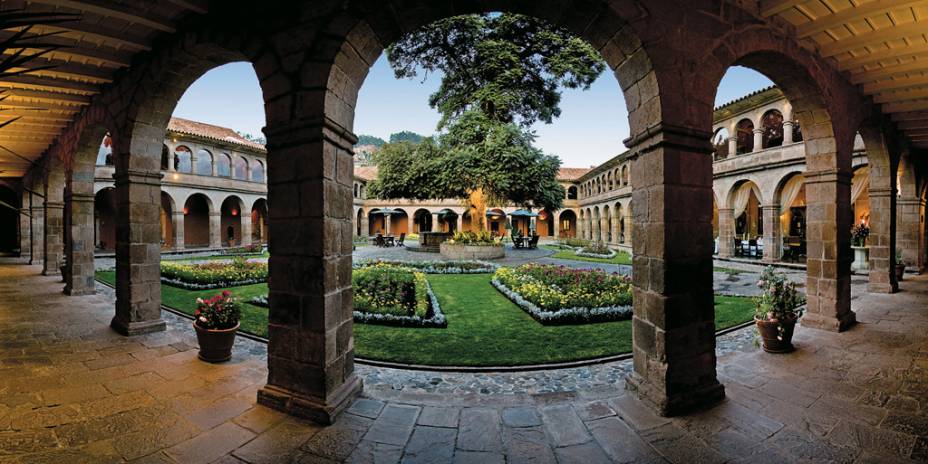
[[72, 390]]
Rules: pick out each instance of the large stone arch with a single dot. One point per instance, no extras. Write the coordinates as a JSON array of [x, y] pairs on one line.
[[234, 230], [200, 219]]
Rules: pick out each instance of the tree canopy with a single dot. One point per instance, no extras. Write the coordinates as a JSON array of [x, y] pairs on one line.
[[507, 65], [370, 140], [405, 136]]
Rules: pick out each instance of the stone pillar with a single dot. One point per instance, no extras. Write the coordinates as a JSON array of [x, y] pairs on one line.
[[673, 327], [138, 252], [616, 230], [732, 146], [37, 229], [597, 230], [79, 278], [787, 132], [366, 224], [177, 225], [215, 229], [828, 262], [604, 230], [387, 222], [54, 237], [246, 230], [758, 140], [629, 238], [310, 327], [882, 239], [773, 237], [726, 232], [908, 227], [25, 228], [459, 222]]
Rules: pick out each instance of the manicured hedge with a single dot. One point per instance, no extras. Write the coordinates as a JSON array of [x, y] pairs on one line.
[[561, 295], [436, 266], [204, 276]]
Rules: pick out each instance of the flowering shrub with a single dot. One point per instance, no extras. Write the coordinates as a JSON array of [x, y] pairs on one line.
[[573, 242], [558, 294], [389, 294], [436, 267], [479, 238], [218, 312], [213, 274], [780, 300], [596, 250], [859, 234], [252, 249]]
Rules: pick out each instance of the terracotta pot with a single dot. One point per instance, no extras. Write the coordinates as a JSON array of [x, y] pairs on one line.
[[215, 344], [900, 270], [773, 341]]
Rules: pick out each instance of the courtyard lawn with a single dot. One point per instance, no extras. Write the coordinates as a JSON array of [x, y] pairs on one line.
[[484, 327], [621, 257]]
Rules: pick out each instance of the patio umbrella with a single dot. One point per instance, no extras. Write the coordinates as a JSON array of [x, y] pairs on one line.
[[523, 213]]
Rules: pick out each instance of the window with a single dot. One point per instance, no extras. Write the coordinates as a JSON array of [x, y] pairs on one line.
[[204, 163], [241, 168], [773, 129], [183, 159], [224, 165], [105, 153], [257, 171], [572, 193], [745, 130]]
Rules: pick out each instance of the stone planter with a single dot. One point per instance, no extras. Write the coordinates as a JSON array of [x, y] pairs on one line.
[[773, 340], [861, 258], [456, 251], [900, 271], [215, 344]]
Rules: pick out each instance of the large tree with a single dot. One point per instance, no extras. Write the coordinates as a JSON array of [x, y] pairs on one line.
[[501, 73]]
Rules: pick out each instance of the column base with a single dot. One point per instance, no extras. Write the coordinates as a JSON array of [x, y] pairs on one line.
[[300, 405], [138, 328], [693, 399], [833, 324], [881, 287], [79, 292], [51, 272]]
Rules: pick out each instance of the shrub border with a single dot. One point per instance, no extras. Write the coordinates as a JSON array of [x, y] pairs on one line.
[[581, 253], [565, 315], [210, 286], [487, 267], [437, 320]]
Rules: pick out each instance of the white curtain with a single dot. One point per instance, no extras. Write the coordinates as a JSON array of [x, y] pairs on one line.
[[860, 182], [740, 202], [790, 192]]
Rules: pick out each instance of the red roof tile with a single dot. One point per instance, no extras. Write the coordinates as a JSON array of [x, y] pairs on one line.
[[571, 173], [222, 134]]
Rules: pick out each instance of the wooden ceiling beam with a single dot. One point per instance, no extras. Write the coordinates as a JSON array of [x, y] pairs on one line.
[[912, 105], [114, 10], [912, 94], [919, 64], [75, 50], [910, 116], [852, 14], [774, 7], [901, 83], [39, 106], [50, 83], [85, 32], [33, 115], [70, 69], [913, 125], [46, 96], [873, 38], [191, 5], [916, 50]]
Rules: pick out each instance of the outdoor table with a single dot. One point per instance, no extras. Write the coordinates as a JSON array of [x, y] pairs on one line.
[[388, 240]]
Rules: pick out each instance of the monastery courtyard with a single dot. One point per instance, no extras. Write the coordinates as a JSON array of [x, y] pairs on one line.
[[73, 390]]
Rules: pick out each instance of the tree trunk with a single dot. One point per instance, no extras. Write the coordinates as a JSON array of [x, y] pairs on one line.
[[478, 210]]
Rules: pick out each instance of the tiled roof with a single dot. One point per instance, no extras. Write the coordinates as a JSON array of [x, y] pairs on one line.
[[209, 131], [571, 173], [365, 172]]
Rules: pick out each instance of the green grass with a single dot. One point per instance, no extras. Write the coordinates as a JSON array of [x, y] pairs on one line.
[[484, 327], [219, 257], [728, 270], [621, 257]]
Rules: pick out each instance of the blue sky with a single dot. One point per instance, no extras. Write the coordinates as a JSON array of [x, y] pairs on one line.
[[591, 128]]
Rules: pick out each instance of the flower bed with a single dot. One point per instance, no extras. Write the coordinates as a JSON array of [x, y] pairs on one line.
[[436, 267], [254, 249], [596, 250], [560, 295], [207, 276], [390, 295]]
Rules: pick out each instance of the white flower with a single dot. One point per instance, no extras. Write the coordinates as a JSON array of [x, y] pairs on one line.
[[202, 319]]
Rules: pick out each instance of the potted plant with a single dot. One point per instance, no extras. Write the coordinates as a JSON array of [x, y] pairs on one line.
[[777, 310], [859, 234], [216, 320], [900, 266]]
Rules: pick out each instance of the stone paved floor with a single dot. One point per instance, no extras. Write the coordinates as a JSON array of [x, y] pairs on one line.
[[71, 390]]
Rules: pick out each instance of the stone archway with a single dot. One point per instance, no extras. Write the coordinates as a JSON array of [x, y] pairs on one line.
[[259, 232], [198, 209], [105, 219], [231, 225]]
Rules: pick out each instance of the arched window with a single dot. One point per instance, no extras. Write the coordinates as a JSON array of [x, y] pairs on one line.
[[105, 153], [797, 132], [625, 175], [164, 157], [257, 171], [241, 168], [204, 163], [773, 129], [720, 143], [183, 159], [224, 165], [572, 193], [745, 129]]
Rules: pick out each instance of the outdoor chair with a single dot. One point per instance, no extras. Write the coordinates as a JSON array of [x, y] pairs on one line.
[[738, 250], [533, 242], [516, 241], [402, 239], [752, 248], [379, 241]]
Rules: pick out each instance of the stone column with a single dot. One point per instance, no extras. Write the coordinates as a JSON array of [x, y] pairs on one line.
[[25, 228], [673, 327], [882, 239], [629, 238], [732, 146], [828, 265], [758, 140], [79, 280], [366, 224], [54, 237], [310, 327], [773, 238], [787, 132], [387, 222], [38, 230], [597, 230], [616, 232], [215, 229], [726, 232], [138, 252], [177, 225], [604, 230], [246, 230], [460, 222], [908, 228]]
